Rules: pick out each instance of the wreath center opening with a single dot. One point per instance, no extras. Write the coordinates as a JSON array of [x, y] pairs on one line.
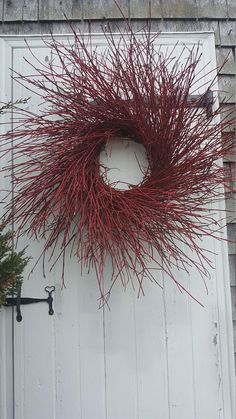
[[123, 163]]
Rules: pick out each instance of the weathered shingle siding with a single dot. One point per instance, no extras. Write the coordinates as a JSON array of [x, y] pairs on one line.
[[34, 10], [42, 16]]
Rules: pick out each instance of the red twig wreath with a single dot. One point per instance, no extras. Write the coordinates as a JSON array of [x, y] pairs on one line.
[[134, 90]]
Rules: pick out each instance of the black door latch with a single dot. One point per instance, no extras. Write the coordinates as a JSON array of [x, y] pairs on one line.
[[18, 301]]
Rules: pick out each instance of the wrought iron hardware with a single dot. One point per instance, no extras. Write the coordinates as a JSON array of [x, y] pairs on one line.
[[18, 301]]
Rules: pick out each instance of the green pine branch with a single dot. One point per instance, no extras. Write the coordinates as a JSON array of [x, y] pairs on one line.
[[12, 265]]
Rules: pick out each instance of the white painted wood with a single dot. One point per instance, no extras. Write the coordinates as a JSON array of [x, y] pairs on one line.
[[34, 377], [151, 353], [178, 332], [159, 356], [6, 317], [116, 159]]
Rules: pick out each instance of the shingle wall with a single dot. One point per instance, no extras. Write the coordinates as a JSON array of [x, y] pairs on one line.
[[41, 16]]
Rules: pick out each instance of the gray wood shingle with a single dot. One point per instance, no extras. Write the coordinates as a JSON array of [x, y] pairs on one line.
[[227, 29], [181, 9], [139, 9], [231, 8], [1, 10], [232, 269], [233, 301], [231, 230], [18, 10], [212, 9], [105, 9], [230, 204], [60, 9], [226, 56], [227, 88]]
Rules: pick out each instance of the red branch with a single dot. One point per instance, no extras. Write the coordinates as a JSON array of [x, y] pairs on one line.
[[133, 90]]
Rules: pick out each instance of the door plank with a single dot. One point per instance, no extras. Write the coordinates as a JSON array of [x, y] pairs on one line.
[[6, 316], [152, 361]]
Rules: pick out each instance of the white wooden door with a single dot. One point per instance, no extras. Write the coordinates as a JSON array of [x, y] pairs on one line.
[[160, 356]]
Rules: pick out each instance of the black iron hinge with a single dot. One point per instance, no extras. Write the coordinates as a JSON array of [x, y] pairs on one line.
[[18, 301]]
